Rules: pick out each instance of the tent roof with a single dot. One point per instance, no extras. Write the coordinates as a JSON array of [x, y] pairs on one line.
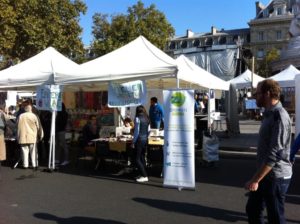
[[190, 75], [190, 72], [40, 69], [244, 80], [138, 59], [286, 78]]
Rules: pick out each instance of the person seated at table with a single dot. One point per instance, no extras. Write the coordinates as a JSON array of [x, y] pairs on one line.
[[129, 123], [89, 131]]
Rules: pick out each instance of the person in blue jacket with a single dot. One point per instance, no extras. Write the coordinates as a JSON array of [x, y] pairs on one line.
[[295, 148], [156, 114]]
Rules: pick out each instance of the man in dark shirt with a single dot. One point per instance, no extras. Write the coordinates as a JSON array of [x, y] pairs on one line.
[[62, 150]]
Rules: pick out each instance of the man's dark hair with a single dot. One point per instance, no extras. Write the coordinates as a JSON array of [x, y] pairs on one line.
[[154, 99], [272, 86]]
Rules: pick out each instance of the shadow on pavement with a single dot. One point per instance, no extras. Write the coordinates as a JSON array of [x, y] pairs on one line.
[[74, 220], [194, 209]]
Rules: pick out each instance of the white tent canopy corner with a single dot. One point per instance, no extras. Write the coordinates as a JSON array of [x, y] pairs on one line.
[[286, 78], [244, 80], [190, 76], [41, 69], [190, 72]]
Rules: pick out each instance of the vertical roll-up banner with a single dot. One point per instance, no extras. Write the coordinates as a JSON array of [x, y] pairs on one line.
[[179, 156]]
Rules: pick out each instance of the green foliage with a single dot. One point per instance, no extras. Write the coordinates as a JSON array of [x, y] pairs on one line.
[[29, 26], [112, 32], [264, 68]]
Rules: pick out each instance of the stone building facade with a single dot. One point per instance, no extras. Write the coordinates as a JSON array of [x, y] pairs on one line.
[[205, 48], [268, 30]]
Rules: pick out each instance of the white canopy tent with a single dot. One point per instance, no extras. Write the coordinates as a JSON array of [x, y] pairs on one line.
[[245, 80], [286, 78], [40, 69], [138, 59]]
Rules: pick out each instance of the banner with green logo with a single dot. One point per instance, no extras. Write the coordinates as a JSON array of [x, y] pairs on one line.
[[179, 156]]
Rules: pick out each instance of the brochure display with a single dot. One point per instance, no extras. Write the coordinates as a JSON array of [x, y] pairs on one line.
[[179, 161]]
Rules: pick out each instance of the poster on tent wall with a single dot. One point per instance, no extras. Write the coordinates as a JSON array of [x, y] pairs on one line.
[[179, 162], [49, 97], [126, 94]]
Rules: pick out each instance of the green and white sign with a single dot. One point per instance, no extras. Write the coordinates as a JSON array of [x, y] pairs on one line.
[[179, 155]]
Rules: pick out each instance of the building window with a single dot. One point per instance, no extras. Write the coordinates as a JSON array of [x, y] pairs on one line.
[[183, 44], [172, 45], [279, 11], [248, 38], [260, 53], [222, 40], [196, 43], [208, 41], [261, 36], [278, 35]]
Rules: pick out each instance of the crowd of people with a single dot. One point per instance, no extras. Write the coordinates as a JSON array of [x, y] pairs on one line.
[[31, 128]]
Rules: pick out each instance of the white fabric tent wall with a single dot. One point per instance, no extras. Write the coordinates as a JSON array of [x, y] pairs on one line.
[[244, 80], [286, 78]]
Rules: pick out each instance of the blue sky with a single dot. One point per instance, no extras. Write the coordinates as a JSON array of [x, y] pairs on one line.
[[197, 15]]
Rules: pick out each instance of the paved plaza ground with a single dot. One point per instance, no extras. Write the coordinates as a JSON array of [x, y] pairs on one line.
[[78, 194]]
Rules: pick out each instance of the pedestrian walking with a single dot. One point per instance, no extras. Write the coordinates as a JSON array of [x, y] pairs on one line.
[[269, 184], [140, 139]]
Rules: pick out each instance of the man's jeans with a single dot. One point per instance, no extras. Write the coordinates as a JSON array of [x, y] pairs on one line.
[[155, 124], [270, 194]]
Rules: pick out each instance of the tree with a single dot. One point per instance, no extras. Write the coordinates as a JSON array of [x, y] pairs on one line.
[[28, 27], [112, 32], [264, 67]]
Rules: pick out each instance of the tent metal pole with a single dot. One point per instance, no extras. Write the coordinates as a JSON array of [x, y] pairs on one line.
[[252, 72], [51, 164]]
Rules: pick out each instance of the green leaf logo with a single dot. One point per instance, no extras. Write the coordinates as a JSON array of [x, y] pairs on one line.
[[177, 99]]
